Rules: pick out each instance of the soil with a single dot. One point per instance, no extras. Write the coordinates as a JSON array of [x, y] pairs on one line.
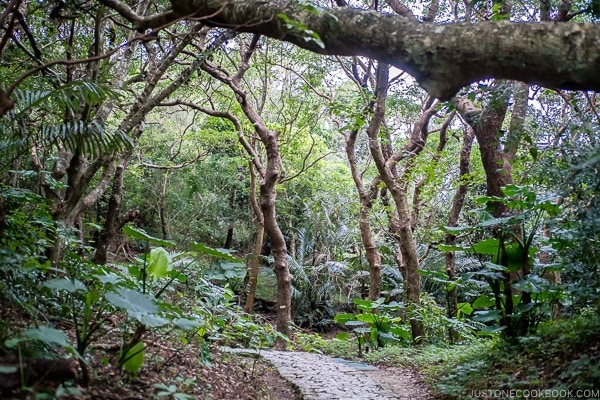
[[169, 372]]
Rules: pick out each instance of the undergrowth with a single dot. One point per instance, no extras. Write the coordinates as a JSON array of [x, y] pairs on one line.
[[561, 359]]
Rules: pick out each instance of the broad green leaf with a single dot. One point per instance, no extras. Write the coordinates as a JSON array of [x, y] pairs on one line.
[[465, 308], [483, 301], [361, 330], [368, 305], [343, 318], [187, 324], [386, 337], [65, 284], [487, 246], [8, 369], [523, 308], [354, 323], [401, 331], [219, 253], [43, 334], [150, 320], [487, 316], [494, 267], [490, 274], [491, 330], [133, 301], [342, 336], [134, 358], [531, 284], [159, 263], [140, 234], [109, 277], [367, 317]]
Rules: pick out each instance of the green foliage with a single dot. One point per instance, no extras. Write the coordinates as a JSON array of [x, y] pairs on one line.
[[311, 342], [133, 359], [170, 391], [506, 253], [374, 325], [438, 327], [297, 28], [89, 137], [139, 234], [562, 355], [315, 292]]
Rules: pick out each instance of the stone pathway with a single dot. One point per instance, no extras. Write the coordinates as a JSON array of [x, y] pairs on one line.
[[318, 377]]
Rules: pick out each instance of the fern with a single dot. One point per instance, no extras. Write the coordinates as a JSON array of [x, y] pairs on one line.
[[68, 97], [90, 138]]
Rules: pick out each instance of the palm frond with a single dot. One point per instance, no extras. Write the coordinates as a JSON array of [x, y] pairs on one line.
[[90, 138], [301, 278], [68, 97], [336, 267], [392, 273]]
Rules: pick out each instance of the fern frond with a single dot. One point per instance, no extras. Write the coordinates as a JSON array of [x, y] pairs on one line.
[[68, 97], [91, 138], [392, 273], [297, 270]]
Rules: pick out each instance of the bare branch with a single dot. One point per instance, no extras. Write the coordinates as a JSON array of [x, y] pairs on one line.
[[236, 123]]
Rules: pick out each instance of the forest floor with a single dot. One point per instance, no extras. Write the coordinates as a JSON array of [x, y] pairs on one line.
[[178, 372], [170, 372]]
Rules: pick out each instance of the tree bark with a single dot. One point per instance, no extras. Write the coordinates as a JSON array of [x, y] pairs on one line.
[[457, 205], [366, 204], [486, 124], [112, 223], [497, 163], [268, 193], [442, 58], [258, 242], [404, 236], [270, 177], [229, 239]]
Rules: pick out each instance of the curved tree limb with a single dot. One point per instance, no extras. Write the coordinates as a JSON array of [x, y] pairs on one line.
[[443, 58]]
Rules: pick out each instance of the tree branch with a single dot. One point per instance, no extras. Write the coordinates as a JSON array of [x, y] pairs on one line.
[[442, 58]]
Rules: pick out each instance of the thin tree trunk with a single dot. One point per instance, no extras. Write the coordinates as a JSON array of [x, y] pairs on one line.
[[455, 210], [268, 193], [111, 220], [258, 242], [366, 204], [229, 239], [162, 208], [410, 259]]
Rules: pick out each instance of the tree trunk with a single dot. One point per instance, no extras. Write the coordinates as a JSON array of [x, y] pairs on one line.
[[269, 178], [229, 239], [497, 163], [258, 242], [455, 210], [254, 268], [111, 219], [162, 208], [410, 259], [268, 193], [366, 204]]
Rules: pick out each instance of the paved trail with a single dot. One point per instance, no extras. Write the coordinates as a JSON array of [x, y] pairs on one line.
[[319, 377]]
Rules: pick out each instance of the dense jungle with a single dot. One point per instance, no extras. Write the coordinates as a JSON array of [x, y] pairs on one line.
[[190, 189]]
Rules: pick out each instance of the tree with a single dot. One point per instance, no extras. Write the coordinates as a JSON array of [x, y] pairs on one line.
[[547, 54]]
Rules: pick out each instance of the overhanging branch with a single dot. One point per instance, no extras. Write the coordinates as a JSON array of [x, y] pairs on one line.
[[443, 58]]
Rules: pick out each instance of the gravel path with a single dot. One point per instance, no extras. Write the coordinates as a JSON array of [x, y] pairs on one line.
[[318, 377]]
